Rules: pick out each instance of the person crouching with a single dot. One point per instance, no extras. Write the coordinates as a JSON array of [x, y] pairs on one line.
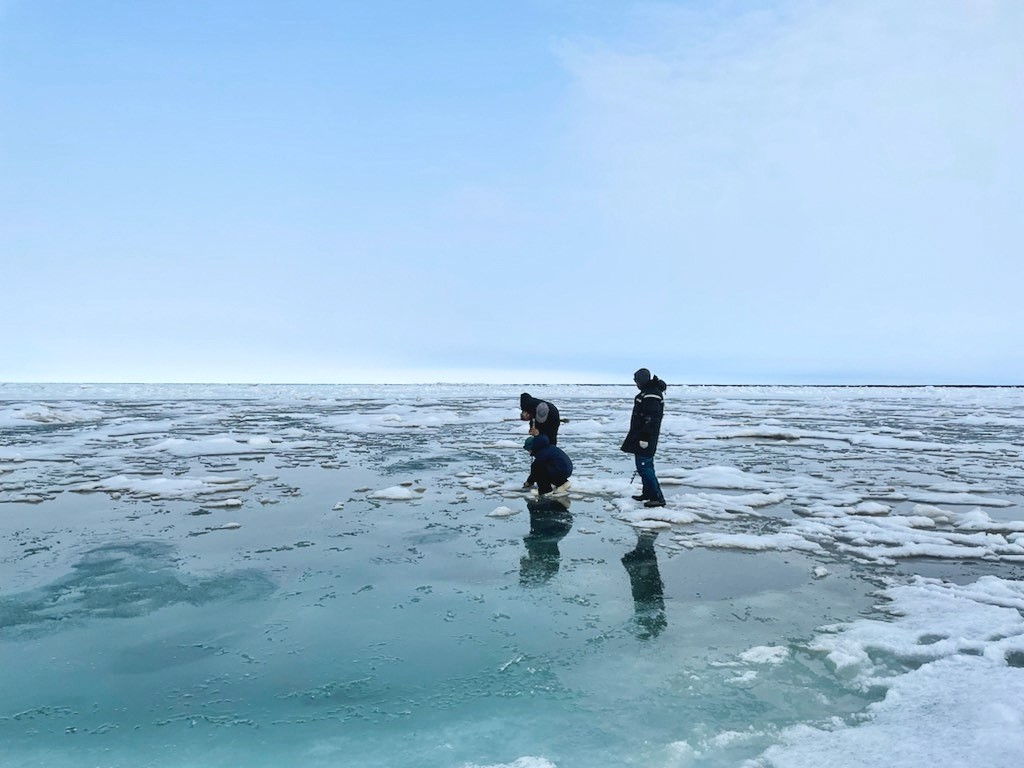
[[551, 467]]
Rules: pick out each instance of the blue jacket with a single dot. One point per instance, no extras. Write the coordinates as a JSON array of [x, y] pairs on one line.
[[549, 458]]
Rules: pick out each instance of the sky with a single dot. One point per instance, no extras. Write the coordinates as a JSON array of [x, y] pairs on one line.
[[783, 191]]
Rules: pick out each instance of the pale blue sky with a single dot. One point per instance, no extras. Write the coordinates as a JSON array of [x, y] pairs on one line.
[[747, 192]]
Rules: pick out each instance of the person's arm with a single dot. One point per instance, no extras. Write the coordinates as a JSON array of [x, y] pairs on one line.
[[533, 476]]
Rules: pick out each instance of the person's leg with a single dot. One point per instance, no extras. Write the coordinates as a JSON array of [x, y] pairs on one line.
[[641, 469], [543, 480], [651, 486]]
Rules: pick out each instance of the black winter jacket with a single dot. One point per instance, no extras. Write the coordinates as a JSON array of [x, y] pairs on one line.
[[645, 423], [546, 423]]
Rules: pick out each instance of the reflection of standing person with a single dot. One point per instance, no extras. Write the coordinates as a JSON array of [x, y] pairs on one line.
[[646, 584], [542, 415], [551, 466], [550, 520], [644, 428]]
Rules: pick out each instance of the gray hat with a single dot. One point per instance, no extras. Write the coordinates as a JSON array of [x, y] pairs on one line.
[[642, 377], [542, 412]]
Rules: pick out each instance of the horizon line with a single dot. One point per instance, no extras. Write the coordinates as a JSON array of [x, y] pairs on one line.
[[818, 385]]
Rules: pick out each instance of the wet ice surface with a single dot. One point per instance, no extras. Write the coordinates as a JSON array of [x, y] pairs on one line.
[[323, 576]]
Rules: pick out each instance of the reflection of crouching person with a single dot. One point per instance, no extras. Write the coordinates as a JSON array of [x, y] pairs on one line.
[[551, 466]]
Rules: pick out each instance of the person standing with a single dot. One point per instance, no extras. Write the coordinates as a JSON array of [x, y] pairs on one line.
[[542, 415], [644, 428]]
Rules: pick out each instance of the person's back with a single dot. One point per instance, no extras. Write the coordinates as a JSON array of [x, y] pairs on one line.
[[543, 416], [557, 461], [551, 466]]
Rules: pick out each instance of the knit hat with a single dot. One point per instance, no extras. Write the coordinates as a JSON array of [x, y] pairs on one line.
[[528, 445], [524, 401], [642, 377]]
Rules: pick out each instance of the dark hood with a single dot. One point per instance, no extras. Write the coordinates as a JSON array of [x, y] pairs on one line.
[[540, 442]]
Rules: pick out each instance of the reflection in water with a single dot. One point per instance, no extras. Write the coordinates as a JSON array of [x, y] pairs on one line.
[[648, 589], [550, 520]]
